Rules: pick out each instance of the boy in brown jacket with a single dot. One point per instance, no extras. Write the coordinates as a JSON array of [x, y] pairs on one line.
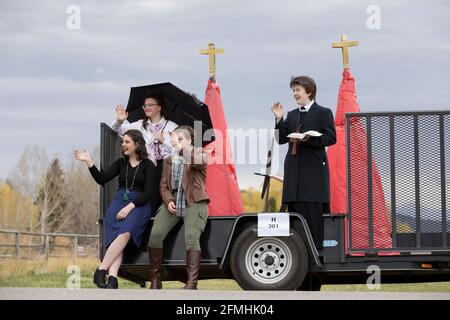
[[183, 192]]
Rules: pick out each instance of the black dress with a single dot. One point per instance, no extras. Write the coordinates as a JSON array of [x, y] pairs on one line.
[[140, 194], [306, 183]]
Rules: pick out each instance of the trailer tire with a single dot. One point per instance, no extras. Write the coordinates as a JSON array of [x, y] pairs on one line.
[[268, 263]]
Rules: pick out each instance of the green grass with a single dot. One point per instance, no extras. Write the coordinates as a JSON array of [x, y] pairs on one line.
[[58, 280], [394, 287], [52, 274]]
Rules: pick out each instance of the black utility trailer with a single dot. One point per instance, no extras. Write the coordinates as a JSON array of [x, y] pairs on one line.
[[412, 153]]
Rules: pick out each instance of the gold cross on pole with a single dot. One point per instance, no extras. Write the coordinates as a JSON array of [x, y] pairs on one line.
[[344, 44], [212, 51]]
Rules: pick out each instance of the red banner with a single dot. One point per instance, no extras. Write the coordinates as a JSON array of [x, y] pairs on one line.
[[221, 180], [347, 102]]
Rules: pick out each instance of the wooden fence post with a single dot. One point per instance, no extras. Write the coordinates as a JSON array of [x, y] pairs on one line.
[[46, 247], [17, 243], [42, 248], [75, 246]]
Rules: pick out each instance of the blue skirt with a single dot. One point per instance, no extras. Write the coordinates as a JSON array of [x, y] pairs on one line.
[[135, 223]]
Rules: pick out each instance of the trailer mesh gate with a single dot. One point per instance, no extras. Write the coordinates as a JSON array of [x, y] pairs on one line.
[[398, 181], [110, 151]]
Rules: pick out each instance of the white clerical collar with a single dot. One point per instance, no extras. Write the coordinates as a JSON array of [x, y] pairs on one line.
[[307, 107]]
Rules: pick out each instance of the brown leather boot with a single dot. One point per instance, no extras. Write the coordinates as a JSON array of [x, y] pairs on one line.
[[155, 256], [193, 260]]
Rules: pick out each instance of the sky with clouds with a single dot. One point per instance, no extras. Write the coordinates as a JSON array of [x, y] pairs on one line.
[[57, 84]]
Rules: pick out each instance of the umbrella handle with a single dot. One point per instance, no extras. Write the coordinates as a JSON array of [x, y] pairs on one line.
[[167, 121]]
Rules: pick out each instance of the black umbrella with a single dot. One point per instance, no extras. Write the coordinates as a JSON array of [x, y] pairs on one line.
[[182, 108]]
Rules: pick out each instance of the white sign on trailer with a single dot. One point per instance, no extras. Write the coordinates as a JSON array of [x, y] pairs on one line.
[[273, 224]]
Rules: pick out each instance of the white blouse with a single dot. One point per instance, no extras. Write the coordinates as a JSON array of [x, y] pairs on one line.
[[165, 148]]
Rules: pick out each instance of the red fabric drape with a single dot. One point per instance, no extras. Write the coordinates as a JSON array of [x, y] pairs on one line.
[[221, 182], [337, 153], [347, 102]]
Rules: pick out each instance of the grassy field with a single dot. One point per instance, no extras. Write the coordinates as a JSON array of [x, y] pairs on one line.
[[53, 274]]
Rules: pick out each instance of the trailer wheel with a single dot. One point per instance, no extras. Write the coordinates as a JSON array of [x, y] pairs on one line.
[[268, 263]]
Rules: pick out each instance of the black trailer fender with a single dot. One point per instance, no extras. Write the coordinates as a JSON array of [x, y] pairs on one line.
[[297, 222]]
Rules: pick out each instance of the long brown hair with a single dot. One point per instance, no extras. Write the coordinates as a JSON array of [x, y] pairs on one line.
[[139, 141], [160, 101]]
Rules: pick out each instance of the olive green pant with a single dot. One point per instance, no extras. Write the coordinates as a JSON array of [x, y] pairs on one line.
[[195, 218]]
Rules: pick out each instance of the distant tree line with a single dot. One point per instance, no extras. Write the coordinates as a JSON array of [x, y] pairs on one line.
[[43, 194]]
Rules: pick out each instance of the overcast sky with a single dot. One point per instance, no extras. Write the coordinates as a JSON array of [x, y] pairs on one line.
[[57, 84]]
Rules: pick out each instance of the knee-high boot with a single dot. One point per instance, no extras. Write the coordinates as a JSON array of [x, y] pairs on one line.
[[193, 260], [155, 256]]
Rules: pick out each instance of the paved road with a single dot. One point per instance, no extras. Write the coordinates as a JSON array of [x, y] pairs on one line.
[[145, 294]]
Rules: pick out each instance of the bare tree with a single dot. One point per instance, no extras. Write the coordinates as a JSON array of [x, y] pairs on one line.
[[54, 197], [83, 197], [29, 170], [25, 178], [83, 203]]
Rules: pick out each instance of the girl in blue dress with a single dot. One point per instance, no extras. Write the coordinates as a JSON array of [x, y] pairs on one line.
[[129, 212]]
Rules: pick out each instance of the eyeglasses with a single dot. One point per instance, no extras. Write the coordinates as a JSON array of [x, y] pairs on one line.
[[148, 106]]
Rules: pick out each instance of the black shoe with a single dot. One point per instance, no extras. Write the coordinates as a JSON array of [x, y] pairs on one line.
[[112, 283], [99, 278]]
